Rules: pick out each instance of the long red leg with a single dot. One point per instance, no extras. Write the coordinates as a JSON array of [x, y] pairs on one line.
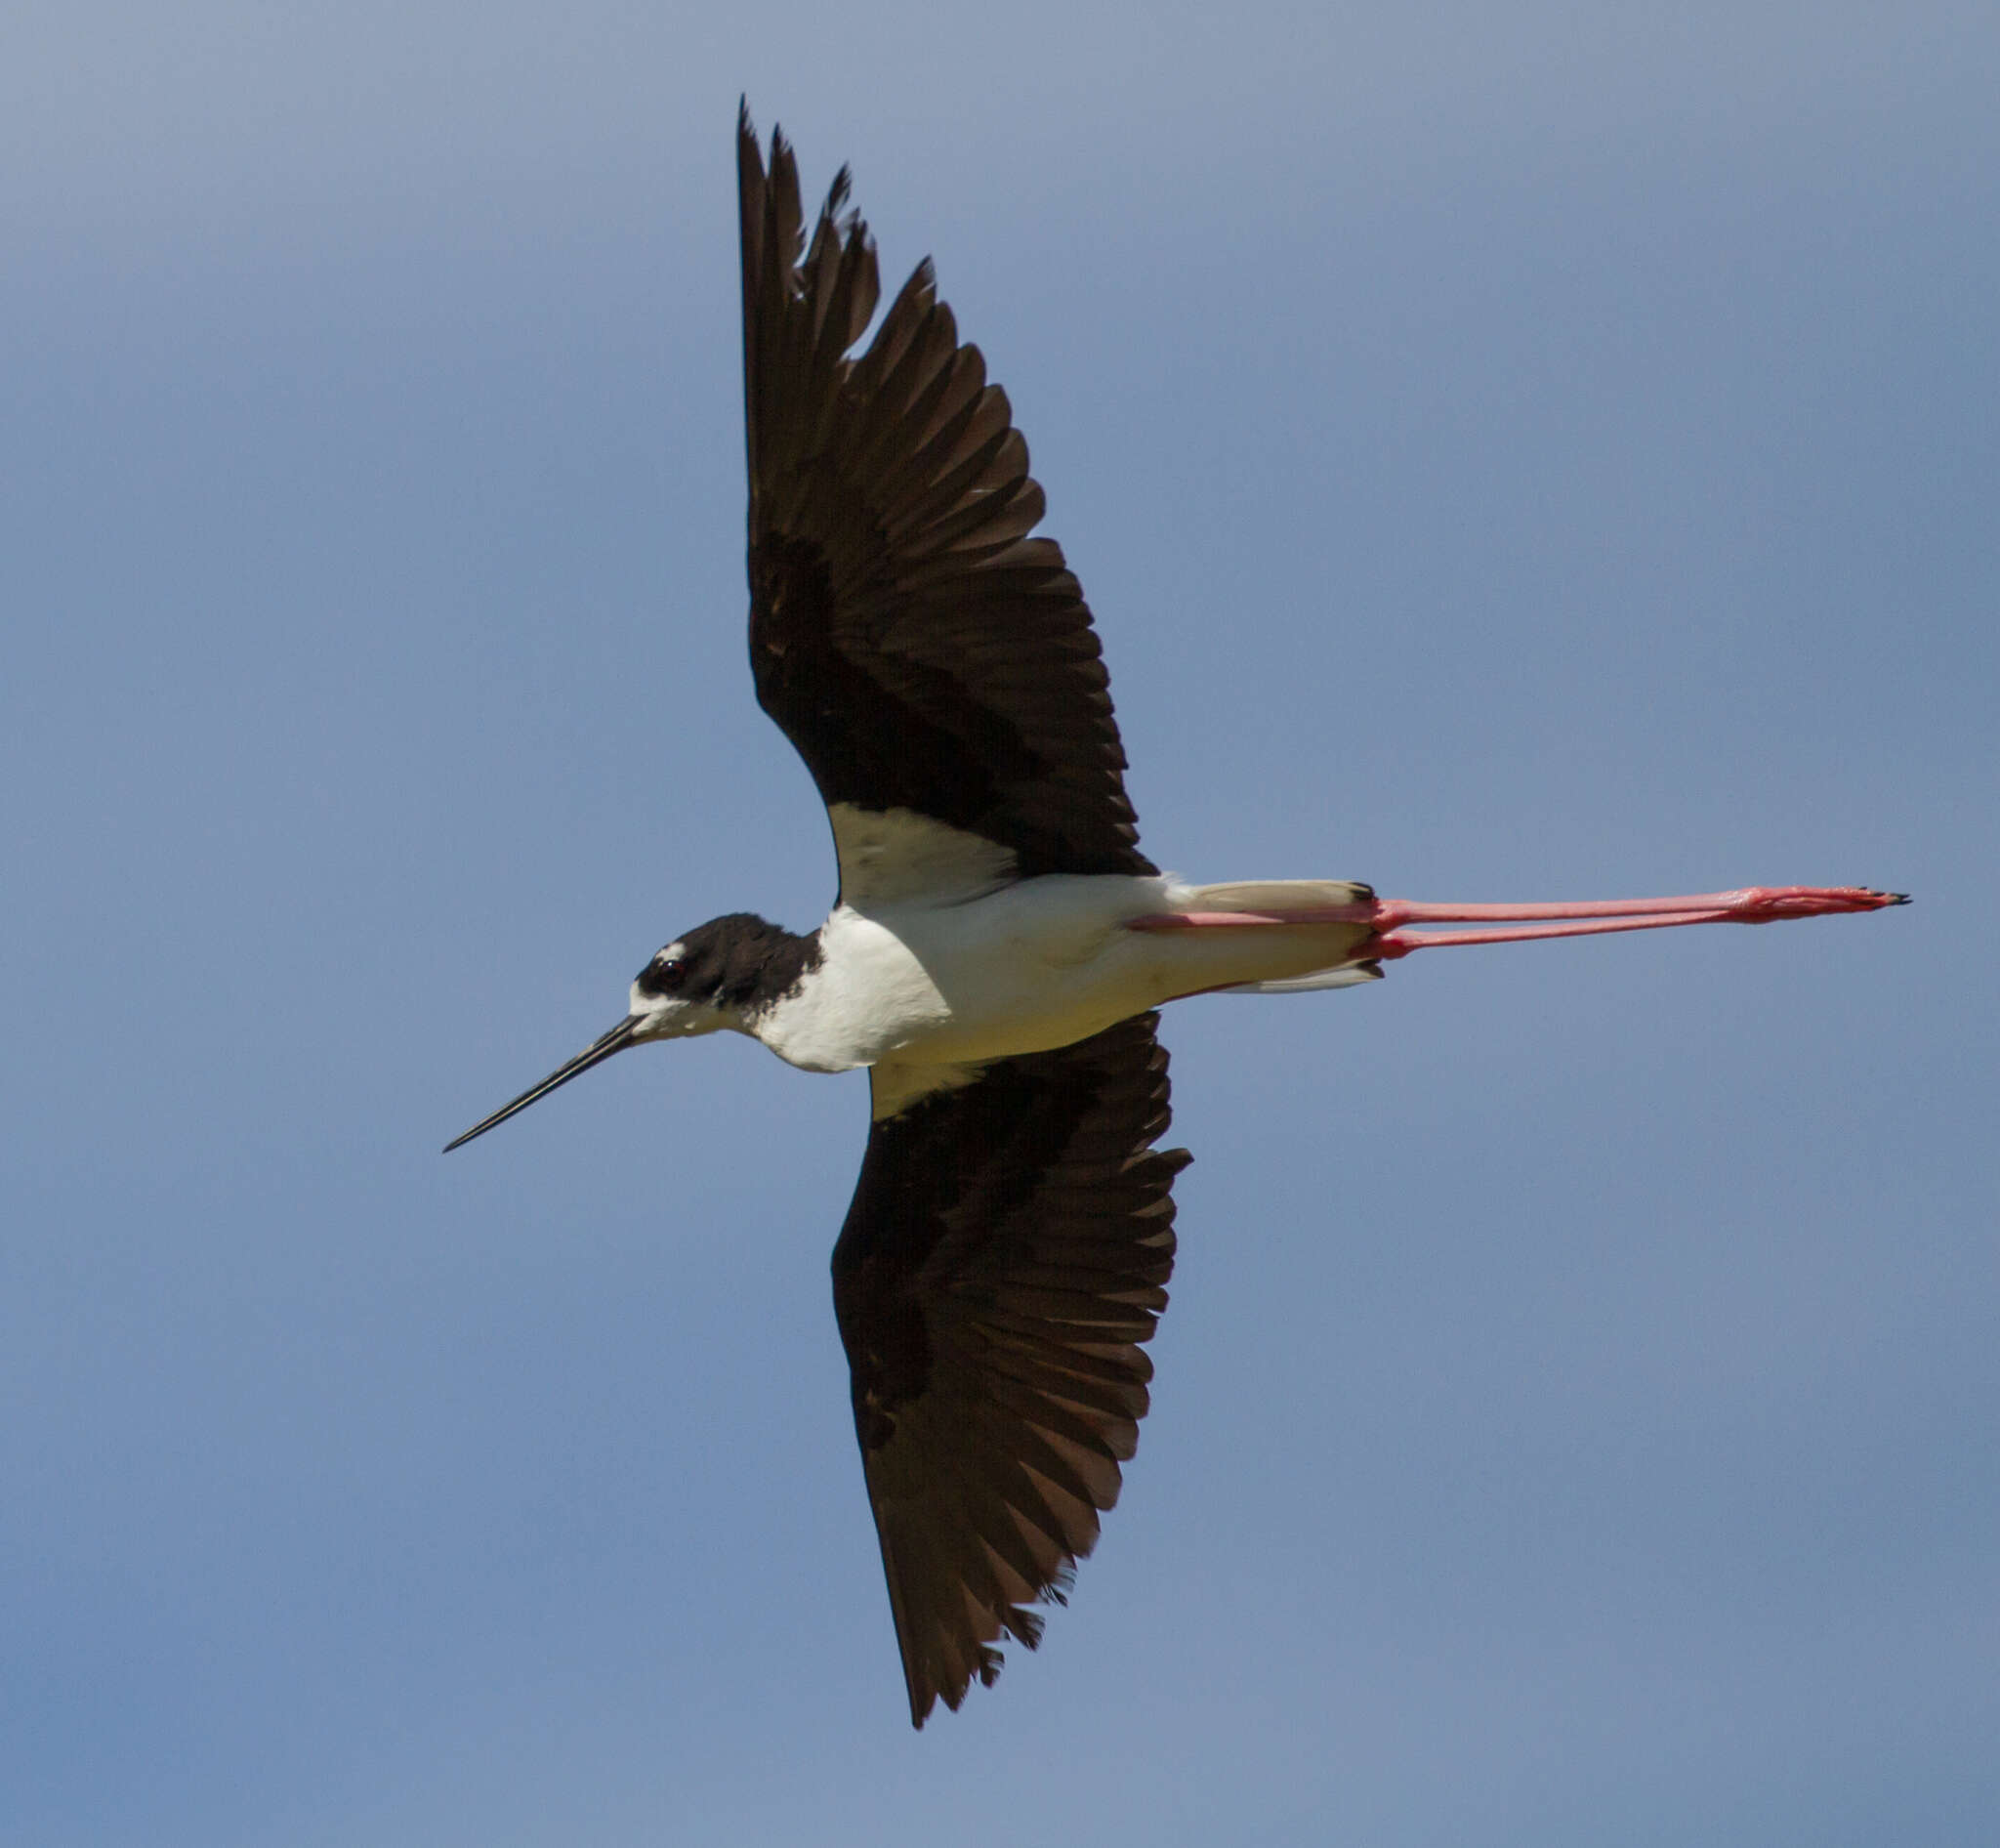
[[1590, 917]]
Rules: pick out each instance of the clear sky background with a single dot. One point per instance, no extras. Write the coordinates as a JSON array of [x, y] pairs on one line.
[[1513, 451]]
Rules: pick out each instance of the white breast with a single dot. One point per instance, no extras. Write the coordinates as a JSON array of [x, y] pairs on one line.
[[1042, 963], [934, 959], [868, 997]]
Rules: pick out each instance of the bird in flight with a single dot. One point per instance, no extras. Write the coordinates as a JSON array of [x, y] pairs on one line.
[[999, 947]]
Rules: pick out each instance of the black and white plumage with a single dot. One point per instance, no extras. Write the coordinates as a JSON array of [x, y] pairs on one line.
[[892, 574], [998, 946]]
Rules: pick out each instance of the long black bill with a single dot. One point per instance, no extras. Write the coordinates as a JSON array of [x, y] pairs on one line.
[[594, 1053]]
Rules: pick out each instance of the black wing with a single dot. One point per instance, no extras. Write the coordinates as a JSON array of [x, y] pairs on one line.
[[1005, 1256], [909, 638]]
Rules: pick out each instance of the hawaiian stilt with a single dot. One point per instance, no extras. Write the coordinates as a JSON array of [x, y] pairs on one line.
[[998, 946]]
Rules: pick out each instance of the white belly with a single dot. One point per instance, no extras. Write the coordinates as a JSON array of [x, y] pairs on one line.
[[1043, 963]]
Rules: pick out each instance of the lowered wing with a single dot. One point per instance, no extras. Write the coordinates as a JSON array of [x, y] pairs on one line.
[[1003, 1263]]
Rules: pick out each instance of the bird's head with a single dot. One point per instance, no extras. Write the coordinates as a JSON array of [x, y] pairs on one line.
[[714, 977]]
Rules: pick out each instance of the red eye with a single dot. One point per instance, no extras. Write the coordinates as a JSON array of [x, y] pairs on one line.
[[662, 976]]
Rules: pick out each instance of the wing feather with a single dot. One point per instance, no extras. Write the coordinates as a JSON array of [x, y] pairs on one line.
[[1005, 1258], [921, 650]]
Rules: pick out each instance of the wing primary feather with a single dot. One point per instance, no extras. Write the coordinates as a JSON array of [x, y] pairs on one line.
[[917, 647], [1002, 1263]]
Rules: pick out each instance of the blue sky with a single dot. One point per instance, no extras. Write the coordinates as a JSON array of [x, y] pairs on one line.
[[1513, 453]]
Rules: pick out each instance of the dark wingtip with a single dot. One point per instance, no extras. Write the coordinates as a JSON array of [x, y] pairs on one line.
[[837, 193]]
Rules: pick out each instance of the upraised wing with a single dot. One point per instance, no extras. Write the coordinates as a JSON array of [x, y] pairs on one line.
[[917, 647], [1005, 1258]]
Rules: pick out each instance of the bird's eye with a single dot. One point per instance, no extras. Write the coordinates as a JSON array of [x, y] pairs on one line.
[[663, 975]]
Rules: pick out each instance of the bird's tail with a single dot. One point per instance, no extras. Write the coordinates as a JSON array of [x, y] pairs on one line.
[[1297, 907]]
